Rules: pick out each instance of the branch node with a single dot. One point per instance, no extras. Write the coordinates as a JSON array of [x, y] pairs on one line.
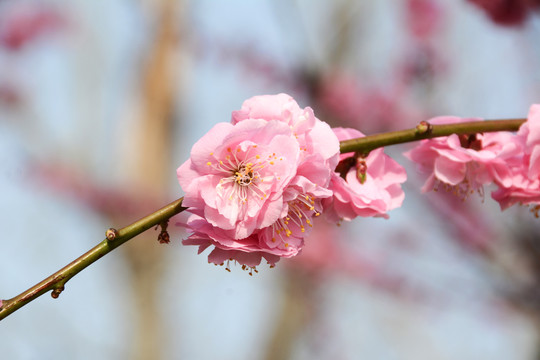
[[424, 128], [111, 234], [56, 292]]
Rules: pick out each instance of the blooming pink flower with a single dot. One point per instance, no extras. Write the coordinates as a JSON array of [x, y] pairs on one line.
[[370, 188], [524, 187], [465, 164], [530, 131], [236, 175], [254, 186]]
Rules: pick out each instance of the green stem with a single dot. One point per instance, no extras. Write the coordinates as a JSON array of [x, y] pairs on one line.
[[426, 131], [115, 238], [56, 281]]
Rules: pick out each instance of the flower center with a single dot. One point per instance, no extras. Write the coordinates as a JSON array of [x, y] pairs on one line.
[[244, 175]]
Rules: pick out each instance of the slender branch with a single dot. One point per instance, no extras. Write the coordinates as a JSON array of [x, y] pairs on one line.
[[427, 131], [115, 238]]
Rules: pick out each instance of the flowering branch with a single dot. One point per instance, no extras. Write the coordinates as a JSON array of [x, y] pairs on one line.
[[425, 130], [115, 238]]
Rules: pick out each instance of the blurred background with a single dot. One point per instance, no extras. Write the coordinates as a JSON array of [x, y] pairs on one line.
[[101, 101]]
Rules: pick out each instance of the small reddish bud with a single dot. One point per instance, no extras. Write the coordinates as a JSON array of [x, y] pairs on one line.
[[111, 234], [423, 127], [361, 170], [56, 292]]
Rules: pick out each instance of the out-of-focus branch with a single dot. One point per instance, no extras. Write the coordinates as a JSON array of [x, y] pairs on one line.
[[115, 238]]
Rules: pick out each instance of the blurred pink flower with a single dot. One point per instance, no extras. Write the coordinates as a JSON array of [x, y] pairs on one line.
[[24, 22], [255, 185], [423, 17], [371, 108], [465, 164], [507, 12], [371, 187]]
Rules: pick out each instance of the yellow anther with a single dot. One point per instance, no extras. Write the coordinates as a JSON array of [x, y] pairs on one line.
[[258, 156], [209, 163], [273, 239], [286, 244]]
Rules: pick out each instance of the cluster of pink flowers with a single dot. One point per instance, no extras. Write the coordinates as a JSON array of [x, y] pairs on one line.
[[465, 164], [255, 184]]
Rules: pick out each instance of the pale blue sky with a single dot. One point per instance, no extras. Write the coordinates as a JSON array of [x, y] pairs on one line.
[[79, 87]]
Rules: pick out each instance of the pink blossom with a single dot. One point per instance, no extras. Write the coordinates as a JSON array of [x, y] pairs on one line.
[[255, 185], [530, 131], [525, 180], [370, 188], [465, 164], [236, 175]]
